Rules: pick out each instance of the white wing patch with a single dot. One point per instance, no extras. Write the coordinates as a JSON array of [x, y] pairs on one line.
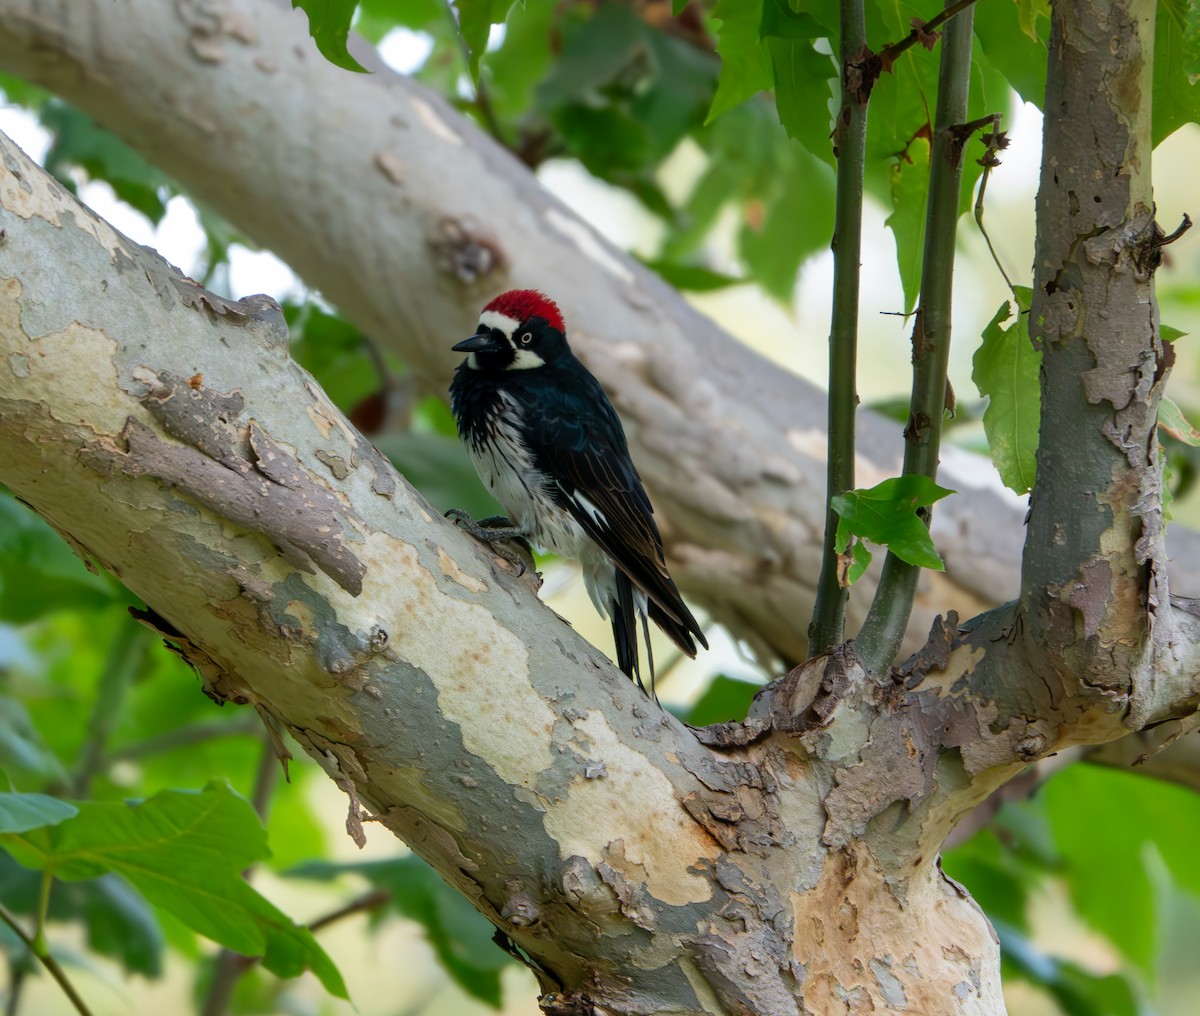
[[589, 509]]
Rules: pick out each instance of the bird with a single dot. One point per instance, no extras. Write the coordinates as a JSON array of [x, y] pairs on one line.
[[546, 441]]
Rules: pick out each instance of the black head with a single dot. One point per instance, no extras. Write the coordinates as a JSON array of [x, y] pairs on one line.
[[519, 330]]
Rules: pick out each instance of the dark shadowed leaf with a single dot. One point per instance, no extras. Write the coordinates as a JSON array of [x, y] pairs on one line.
[[334, 352], [102, 156], [118, 921], [623, 94], [459, 934], [909, 185], [24, 755], [726, 698], [39, 572], [1012, 37], [795, 220]]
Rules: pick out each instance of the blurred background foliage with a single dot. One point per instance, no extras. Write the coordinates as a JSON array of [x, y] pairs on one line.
[[714, 120]]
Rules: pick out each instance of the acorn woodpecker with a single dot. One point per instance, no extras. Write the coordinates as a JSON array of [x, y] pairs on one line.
[[547, 443]]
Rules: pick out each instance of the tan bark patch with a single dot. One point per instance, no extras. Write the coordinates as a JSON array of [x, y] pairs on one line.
[[867, 948], [660, 841]]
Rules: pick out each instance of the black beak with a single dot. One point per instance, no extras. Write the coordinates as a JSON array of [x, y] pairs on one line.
[[485, 342]]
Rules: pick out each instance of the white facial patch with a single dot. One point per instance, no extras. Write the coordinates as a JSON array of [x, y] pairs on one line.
[[524, 359], [494, 319]]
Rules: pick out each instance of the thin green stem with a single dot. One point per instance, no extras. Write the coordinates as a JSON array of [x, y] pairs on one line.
[[229, 965], [18, 972], [829, 611], [882, 631], [42, 952], [43, 911], [125, 657], [185, 737]]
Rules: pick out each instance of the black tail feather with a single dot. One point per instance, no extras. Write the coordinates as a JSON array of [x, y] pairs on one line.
[[680, 634], [624, 625]]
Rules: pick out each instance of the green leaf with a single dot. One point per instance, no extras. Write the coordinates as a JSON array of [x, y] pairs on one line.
[[1006, 370], [694, 278], [1172, 420], [458, 933], [887, 514], [1077, 990], [329, 25], [475, 20], [1176, 98], [860, 561], [745, 65], [23, 753], [1191, 41], [726, 698], [1169, 334], [118, 921], [185, 853], [20, 813], [378, 17], [622, 94], [1012, 37], [804, 88], [796, 220], [39, 572], [334, 352], [102, 156], [909, 187], [1106, 862], [514, 69]]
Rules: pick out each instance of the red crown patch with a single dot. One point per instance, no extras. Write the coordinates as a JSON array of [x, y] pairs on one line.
[[523, 304]]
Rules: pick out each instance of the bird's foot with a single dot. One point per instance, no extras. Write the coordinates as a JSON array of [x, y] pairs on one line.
[[497, 532]]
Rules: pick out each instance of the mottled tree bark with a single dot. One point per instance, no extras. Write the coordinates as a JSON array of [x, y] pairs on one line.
[[784, 865]]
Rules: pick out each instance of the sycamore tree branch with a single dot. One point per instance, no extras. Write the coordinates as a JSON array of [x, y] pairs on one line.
[[1095, 593], [168, 432], [408, 218]]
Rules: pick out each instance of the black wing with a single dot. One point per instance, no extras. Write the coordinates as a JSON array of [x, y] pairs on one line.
[[577, 439]]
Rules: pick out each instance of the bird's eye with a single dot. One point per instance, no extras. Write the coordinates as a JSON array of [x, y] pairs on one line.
[[526, 338]]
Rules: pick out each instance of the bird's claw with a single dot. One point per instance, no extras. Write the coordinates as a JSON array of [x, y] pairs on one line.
[[496, 531]]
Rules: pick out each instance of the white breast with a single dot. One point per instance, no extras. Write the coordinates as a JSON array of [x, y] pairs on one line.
[[508, 471]]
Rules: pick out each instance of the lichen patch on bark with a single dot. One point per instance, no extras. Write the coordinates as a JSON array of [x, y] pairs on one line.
[[656, 839]]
